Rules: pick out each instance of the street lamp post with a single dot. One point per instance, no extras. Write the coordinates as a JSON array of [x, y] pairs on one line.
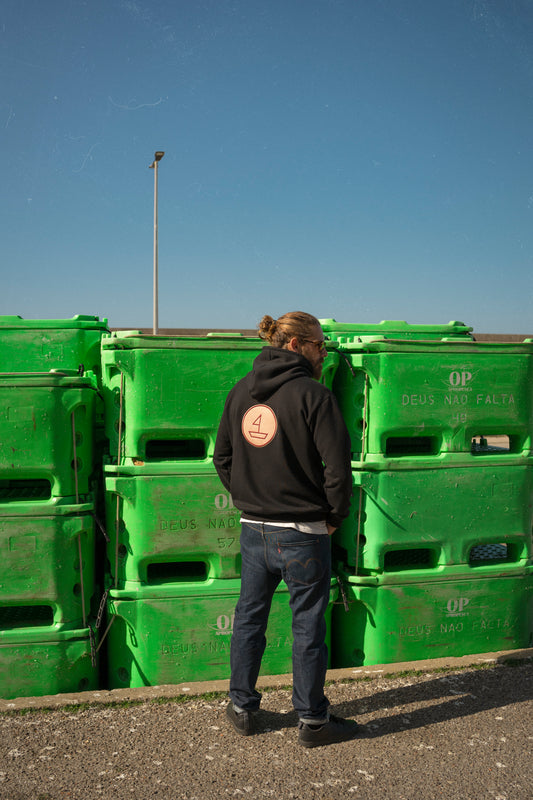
[[157, 158]]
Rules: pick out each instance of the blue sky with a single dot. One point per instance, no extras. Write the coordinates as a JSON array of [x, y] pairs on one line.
[[357, 159]]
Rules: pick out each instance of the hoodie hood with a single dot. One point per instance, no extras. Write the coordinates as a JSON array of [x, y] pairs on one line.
[[274, 367]]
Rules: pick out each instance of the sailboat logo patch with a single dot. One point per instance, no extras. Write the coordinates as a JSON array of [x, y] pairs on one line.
[[259, 425]]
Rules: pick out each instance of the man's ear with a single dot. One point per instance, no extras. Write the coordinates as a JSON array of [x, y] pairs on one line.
[[293, 344]]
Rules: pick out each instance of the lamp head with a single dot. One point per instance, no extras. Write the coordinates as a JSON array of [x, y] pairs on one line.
[[157, 157]]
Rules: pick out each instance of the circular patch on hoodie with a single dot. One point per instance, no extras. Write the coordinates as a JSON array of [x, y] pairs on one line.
[[259, 425]]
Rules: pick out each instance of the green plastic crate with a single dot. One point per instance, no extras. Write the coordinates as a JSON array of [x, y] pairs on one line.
[[347, 332], [173, 392], [170, 524], [44, 420], [433, 519], [47, 663], [390, 623], [40, 577], [171, 636], [408, 399], [37, 345]]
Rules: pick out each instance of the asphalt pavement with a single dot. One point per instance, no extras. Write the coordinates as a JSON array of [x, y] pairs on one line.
[[456, 728]]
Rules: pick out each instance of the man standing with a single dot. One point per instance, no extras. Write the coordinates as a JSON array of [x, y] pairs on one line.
[[283, 452]]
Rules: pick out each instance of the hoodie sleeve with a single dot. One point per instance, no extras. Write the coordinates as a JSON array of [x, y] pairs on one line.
[[332, 441], [223, 455]]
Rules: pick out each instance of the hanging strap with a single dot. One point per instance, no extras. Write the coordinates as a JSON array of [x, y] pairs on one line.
[[363, 449], [102, 640], [359, 518], [365, 420], [100, 526], [119, 457], [103, 601], [76, 485], [350, 367], [342, 591], [99, 618]]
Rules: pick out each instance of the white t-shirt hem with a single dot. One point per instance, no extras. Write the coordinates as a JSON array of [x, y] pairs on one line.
[[318, 527]]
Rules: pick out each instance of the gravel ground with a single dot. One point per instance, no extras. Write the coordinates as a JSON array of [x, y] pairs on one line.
[[459, 735]]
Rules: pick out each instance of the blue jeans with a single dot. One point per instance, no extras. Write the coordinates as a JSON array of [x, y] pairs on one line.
[[303, 561]]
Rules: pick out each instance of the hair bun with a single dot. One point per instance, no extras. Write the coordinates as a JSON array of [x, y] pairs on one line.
[[267, 327], [297, 324]]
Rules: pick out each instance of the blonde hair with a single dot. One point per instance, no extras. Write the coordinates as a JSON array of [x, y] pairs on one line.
[[278, 332]]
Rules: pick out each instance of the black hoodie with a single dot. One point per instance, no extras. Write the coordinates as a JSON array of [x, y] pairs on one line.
[[282, 449]]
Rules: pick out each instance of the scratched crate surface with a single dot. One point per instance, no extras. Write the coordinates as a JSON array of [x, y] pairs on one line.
[[34, 345], [434, 518], [167, 394], [33, 664], [412, 399], [170, 524], [177, 635], [389, 623], [46, 434], [347, 332], [41, 582]]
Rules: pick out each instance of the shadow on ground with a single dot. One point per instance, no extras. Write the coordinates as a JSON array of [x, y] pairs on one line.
[[458, 695]]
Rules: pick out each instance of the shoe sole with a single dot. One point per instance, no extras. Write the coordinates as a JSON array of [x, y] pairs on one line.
[[325, 744]]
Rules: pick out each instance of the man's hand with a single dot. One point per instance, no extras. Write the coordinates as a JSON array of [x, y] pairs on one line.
[[331, 529]]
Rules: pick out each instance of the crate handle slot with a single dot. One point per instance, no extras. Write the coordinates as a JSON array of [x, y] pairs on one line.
[[177, 572], [175, 449]]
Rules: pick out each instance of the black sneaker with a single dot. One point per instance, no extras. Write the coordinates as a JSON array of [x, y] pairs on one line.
[[335, 730], [244, 722]]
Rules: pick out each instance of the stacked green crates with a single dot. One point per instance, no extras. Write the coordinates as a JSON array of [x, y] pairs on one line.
[[432, 516], [434, 560], [46, 434], [166, 394], [404, 618], [183, 633], [433, 398], [42, 584], [48, 476], [39, 345], [174, 555], [176, 521], [441, 433], [346, 332], [46, 643]]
